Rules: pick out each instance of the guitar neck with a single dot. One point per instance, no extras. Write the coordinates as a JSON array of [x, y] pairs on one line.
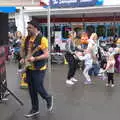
[[35, 50]]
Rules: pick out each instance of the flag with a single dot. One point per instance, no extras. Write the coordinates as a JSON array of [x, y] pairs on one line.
[[44, 3]]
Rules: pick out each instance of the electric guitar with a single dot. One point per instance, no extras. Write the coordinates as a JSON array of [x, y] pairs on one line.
[[26, 62]]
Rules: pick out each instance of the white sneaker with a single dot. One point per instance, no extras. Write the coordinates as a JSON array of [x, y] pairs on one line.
[[107, 84], [69, 82], [74, 80], [32, 113], [19, 70], [112, 85], [87, 82], [4, 99]]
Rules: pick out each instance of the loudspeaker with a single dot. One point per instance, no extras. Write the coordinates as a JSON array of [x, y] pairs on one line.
[[3, 29], [3, 43]]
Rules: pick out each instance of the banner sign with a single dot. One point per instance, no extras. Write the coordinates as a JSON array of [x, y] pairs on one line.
[[74, 3]]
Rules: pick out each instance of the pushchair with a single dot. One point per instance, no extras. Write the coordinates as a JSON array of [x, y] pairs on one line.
[[57, 58], [16, 54]]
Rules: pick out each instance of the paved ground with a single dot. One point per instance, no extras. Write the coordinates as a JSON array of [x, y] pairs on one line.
[[79, 102]]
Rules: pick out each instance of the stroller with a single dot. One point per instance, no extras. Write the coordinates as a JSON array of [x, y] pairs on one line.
[[16, 54], [57, 58]]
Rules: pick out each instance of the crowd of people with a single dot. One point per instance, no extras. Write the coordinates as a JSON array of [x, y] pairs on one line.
[[97, 59], [32, 53], [15, 40]]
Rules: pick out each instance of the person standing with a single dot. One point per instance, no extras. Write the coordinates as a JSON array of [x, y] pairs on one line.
[[86, 56], [36, 70], [93, 46], [84, 40], [110, 70], [18, 37], [72, 62]]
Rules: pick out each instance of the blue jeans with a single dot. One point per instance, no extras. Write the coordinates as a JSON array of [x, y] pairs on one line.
[[94, 70], [35, 79]]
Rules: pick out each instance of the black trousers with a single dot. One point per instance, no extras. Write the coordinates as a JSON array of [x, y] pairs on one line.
[[110, 78], [72, 64]]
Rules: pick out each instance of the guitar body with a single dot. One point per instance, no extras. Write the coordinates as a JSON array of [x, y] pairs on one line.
[[27, 63], [33, 48]]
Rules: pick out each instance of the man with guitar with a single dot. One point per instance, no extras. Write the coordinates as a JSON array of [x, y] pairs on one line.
[[34, 53]]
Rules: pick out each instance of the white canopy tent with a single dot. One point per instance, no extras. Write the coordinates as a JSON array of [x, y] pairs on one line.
[[66, 12]]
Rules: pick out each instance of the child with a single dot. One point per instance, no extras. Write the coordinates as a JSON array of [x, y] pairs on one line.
[[88, 64], [110, 70]]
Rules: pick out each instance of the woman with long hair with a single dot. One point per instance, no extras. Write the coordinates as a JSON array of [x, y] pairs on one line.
[[72, 62]]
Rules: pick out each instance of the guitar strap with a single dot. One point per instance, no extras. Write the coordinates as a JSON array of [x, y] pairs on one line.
[[37, 41], [26, 45]]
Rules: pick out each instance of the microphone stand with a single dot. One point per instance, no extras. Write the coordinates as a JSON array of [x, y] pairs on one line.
[[2, 85]]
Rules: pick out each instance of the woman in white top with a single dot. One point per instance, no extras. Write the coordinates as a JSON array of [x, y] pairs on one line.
[[93, 46]]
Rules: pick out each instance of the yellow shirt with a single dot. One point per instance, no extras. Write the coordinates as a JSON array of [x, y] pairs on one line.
[[43, 45]]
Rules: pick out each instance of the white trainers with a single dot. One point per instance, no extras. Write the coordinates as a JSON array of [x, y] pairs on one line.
[[107, 85], [4, 99], [74, 80], [112, 85], [32, 113], [69, 82], [87, 82]]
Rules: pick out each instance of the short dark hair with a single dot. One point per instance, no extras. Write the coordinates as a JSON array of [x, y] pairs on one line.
[[34, 23]]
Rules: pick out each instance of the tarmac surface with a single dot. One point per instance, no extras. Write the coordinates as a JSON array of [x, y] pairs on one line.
[[78, 102]]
